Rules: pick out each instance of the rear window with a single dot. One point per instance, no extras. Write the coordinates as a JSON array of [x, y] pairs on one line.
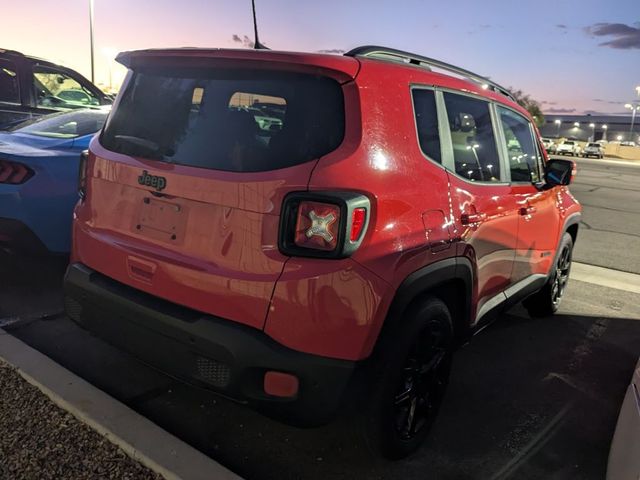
[[232, 120], [594, 145]]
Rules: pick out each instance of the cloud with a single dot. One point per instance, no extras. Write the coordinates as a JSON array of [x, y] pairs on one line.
[[337, 51], [610, 102], [560, 110], [244, 40], [620, 35], [545, 102], [561, 26]]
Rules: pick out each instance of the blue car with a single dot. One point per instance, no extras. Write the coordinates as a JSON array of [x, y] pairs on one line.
[[39, 179]]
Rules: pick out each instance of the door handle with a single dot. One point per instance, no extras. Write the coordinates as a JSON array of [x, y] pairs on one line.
[[528, 210], [473, 218]]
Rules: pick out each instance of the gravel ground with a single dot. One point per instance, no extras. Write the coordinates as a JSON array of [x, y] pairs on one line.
[[39, 441]]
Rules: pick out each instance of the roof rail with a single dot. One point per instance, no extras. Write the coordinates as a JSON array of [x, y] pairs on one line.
[[385, 53], [12, 52]]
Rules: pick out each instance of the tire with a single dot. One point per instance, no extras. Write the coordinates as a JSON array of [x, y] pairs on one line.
[[547, 301], [409, 378]]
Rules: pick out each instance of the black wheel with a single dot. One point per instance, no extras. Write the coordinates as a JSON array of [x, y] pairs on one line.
[[409, 379], [547, 300]]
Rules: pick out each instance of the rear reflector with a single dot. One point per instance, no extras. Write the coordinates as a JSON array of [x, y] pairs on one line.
[[279, 384], [14, 173], [357, 223]]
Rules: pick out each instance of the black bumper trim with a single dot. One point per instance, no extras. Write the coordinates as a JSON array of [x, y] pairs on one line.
[[218, 354]]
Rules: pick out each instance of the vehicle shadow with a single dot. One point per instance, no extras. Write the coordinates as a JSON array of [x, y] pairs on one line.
[[528, 398]]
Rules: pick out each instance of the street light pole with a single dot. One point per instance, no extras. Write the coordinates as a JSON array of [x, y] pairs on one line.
[[93, 79], [593, 132], [604, 132], [634, 107], [558, 122]]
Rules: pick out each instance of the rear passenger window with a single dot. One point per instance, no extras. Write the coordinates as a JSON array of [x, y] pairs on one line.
[[424, 106], [9, 91], [523, 154], [474, 145]]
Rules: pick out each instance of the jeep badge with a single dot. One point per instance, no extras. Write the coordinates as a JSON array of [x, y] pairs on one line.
[[154, 181]]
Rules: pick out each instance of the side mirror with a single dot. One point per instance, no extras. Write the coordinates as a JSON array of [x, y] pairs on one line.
[[559, 172]]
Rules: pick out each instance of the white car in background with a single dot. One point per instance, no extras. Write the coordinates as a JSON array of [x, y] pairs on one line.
[[568, 147], [593, 149], [549, 145]]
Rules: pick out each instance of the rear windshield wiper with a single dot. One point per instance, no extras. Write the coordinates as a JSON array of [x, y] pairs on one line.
[[148, 146]]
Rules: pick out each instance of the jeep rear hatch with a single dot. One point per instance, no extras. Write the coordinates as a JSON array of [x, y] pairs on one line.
[[186, 182]]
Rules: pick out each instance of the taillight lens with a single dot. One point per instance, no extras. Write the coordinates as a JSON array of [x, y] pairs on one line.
[[14, 173], [82, 174], [323, 224], [317, 226]]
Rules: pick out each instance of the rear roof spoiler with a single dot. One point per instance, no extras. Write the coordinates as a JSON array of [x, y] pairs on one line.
[[339, 67]]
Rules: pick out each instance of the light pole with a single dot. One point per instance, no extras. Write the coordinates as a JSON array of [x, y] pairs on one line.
[[93, 79], [593, 132], [110, 53], [558, 122], [633, 107], [604, 132]]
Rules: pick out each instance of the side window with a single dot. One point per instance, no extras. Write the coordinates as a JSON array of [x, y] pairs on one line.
[[523, 154], [424, 106], [55, 89], [475, 153], [9, 86]]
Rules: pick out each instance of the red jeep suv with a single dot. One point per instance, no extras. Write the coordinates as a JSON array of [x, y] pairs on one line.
[[302, 232]]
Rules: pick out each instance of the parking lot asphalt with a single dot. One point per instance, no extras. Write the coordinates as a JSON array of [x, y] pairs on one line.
[[610, 231], [529, 398]]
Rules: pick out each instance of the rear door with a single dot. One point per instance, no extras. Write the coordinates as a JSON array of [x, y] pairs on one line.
[[484, 209], [187, 179]]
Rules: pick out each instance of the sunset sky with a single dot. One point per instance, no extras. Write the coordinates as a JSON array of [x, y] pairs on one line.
[[574, 56]]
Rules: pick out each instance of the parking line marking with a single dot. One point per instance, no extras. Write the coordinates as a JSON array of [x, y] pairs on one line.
[[606, 277]]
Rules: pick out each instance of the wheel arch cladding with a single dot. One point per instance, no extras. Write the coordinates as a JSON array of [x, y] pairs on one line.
[[450, 280]]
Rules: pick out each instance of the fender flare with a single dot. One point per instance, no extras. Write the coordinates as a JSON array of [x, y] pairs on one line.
[[428, 278], [573, 219]]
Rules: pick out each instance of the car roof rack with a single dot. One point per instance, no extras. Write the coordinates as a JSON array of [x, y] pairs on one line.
[[11, 52], [391, 54]]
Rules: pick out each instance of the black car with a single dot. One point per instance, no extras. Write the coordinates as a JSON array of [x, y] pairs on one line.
[[31, 87]]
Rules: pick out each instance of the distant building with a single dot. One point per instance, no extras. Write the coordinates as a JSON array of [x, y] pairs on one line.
[[617, 126]]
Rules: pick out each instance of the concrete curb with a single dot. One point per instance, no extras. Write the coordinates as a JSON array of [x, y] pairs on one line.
[[138, 437]]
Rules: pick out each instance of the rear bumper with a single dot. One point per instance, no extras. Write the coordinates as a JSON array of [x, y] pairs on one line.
[[220, 355]]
